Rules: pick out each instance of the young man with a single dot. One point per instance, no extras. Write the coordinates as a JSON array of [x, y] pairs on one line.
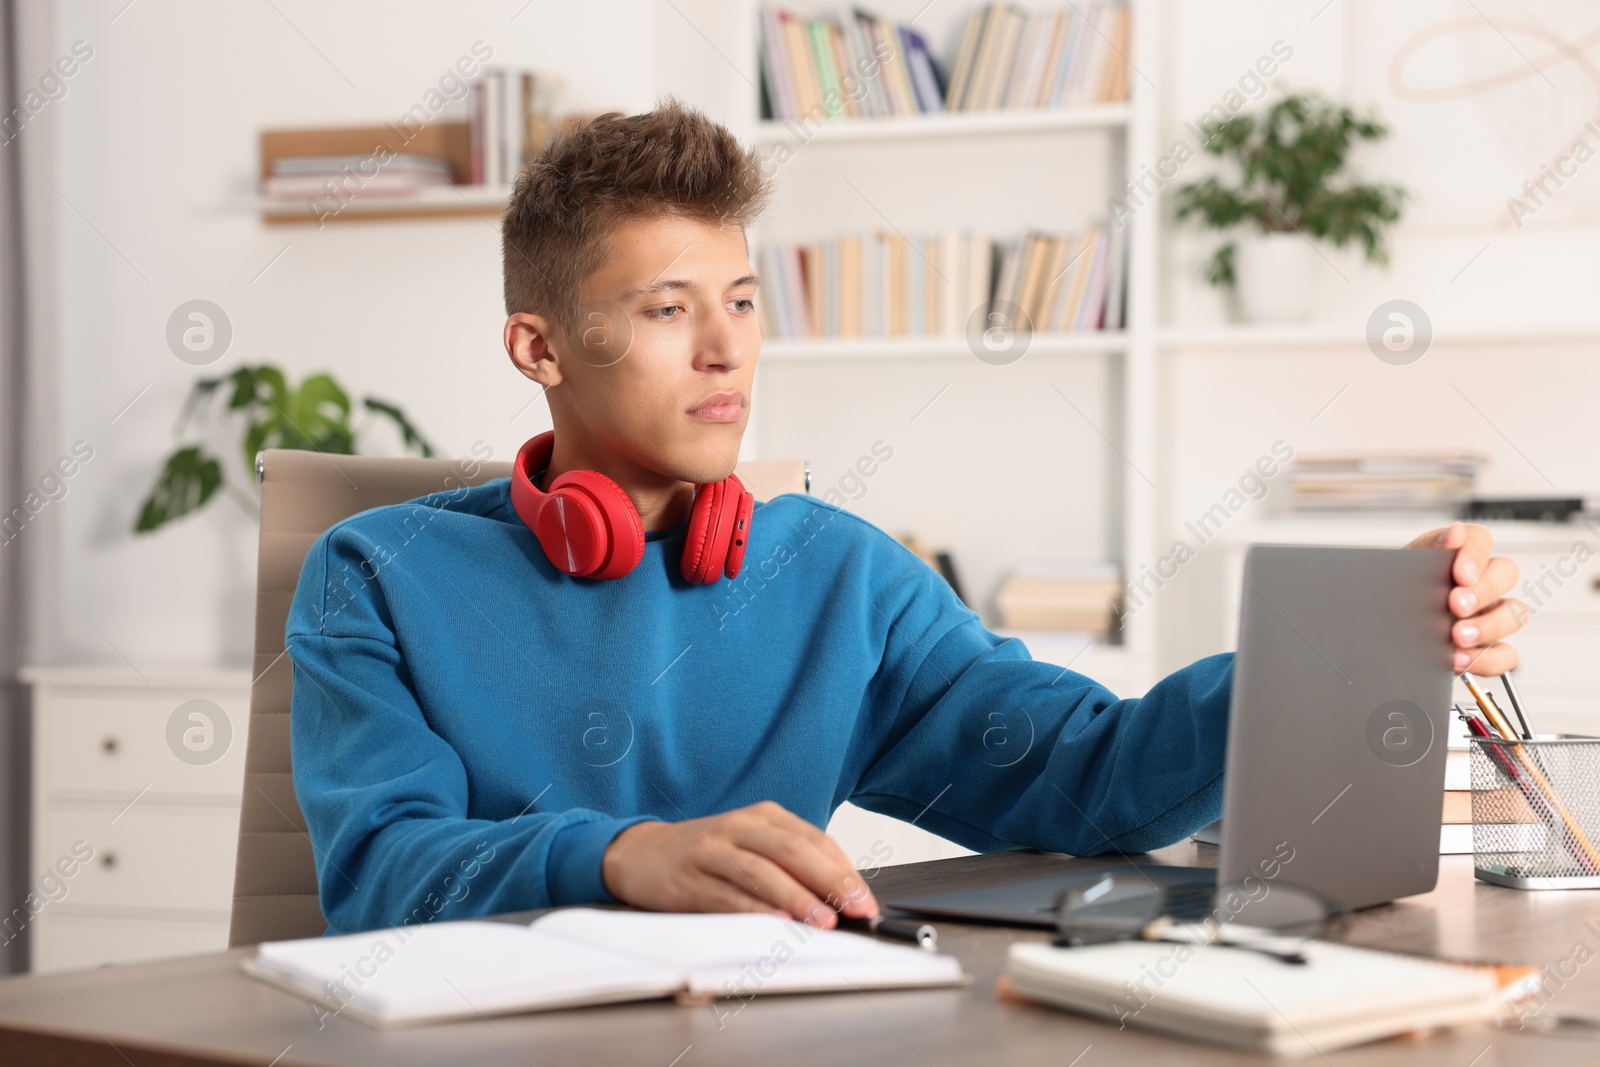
[[477, 731]]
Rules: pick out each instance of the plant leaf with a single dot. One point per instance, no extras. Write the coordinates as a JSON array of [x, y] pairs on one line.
[[187, 481], [408, 433]]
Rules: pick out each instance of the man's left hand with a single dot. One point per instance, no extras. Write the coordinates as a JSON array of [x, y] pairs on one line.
[[1484, 614]]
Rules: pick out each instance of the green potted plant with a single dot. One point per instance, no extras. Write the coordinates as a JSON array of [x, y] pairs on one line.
[[1293, 187], [314, 415]]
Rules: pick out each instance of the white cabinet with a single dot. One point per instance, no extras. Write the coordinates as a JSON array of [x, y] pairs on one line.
[[136, 787]]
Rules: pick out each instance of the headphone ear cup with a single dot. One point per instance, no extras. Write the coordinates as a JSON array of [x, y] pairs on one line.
[[572, 532], [619, 532], [698, 540], [741, 529]]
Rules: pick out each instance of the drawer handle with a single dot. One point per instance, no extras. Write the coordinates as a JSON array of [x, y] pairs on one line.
[[108, 860], [109, 746]]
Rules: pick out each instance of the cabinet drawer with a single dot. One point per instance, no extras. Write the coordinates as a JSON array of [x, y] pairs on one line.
[[66, 942], [119, 745], [159, 856]]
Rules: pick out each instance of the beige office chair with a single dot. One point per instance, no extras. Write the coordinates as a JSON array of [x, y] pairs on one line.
[[302, 494]]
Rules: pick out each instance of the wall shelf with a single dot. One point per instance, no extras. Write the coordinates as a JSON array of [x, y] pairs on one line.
[[1353, 335], [802, 349], [941, 125]]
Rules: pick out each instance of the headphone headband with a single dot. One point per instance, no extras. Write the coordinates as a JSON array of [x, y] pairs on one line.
[[588, 527]]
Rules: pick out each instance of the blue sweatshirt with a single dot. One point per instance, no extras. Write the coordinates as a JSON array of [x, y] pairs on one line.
[[471, 727]]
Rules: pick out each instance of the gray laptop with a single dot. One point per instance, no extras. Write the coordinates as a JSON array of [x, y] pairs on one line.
[[1336, 737]]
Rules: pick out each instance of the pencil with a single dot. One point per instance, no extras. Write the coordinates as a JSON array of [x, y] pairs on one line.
[[1588, 857]]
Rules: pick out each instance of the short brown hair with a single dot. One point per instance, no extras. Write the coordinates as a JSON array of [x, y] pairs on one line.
[[612, 168]]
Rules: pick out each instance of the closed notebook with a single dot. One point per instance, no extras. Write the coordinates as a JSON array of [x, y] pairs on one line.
[[1341, 996], [581, 956]]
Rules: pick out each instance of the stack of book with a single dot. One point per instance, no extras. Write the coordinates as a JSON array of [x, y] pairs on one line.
[[1080, 597], [885, 284], [1014, 58], [341, 177], [855, 65], [1383, 481], [512, 118]]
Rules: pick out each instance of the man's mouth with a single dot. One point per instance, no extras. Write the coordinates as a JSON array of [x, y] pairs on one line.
[[719, 407]]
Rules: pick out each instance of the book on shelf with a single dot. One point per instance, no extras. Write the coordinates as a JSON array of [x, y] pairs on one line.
[[311, 177], [885, 284], [512, 116], [1381, 481], [1082, 597], [857, 65]]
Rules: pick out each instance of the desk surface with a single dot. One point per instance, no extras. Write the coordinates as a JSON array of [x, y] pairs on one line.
[[203, 1010]]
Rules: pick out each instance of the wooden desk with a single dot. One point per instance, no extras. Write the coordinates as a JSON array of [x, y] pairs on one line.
[[202, 1010]]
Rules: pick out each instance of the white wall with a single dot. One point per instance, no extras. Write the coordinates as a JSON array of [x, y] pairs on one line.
[[154, 147], [156, 153], [1512, 372]]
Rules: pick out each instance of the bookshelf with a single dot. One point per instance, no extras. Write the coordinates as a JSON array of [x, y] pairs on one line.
[[953, 124], [1089, 150], [786, 349]]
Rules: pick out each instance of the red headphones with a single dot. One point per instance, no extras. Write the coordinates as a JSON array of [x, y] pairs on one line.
[[589, 528]]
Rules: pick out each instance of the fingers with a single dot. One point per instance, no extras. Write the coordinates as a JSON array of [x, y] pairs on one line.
[[1492, 660], [1498, 577], [828, 882], [752, 874], [851, 896], [1487, 627]]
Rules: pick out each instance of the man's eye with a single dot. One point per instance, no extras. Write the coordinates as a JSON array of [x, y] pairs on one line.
[[747, 304], [664, 314]]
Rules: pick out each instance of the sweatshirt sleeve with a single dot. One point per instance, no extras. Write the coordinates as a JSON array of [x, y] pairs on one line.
[[976, 741], [385, 797]]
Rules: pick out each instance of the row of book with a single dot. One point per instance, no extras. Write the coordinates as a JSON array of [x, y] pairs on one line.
[[885, 284], [862, 66], [1066, 283], [1383, 481], [856, 65], [1061, 595], [512, 118], [1012, 58]]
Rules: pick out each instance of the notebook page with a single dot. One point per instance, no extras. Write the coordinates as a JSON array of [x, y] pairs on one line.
[[460, 969], [738, 954]]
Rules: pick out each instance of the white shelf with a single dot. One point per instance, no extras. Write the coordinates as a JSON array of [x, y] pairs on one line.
[[432, 202], [786, 349], [937, 125], [1262, 338]]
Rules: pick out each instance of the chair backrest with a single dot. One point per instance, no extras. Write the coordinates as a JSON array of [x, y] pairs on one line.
[[302, 494]]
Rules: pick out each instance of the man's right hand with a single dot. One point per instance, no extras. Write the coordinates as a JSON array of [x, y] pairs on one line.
[[761, 858]]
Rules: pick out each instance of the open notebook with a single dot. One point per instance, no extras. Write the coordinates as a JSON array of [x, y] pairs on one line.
[[579, 956], [1342, 996]]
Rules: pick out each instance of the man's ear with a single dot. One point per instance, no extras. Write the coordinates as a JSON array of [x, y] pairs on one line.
[[528, 340]]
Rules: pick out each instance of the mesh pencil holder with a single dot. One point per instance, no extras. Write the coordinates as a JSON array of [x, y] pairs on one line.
[[1536, 812]]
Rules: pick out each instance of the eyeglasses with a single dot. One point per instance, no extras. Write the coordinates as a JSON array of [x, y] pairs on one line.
[[1275, 919]]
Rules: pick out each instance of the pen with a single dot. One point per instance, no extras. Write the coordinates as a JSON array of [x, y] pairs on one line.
[[1516, 705], [1583, 850], [920, 934]]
